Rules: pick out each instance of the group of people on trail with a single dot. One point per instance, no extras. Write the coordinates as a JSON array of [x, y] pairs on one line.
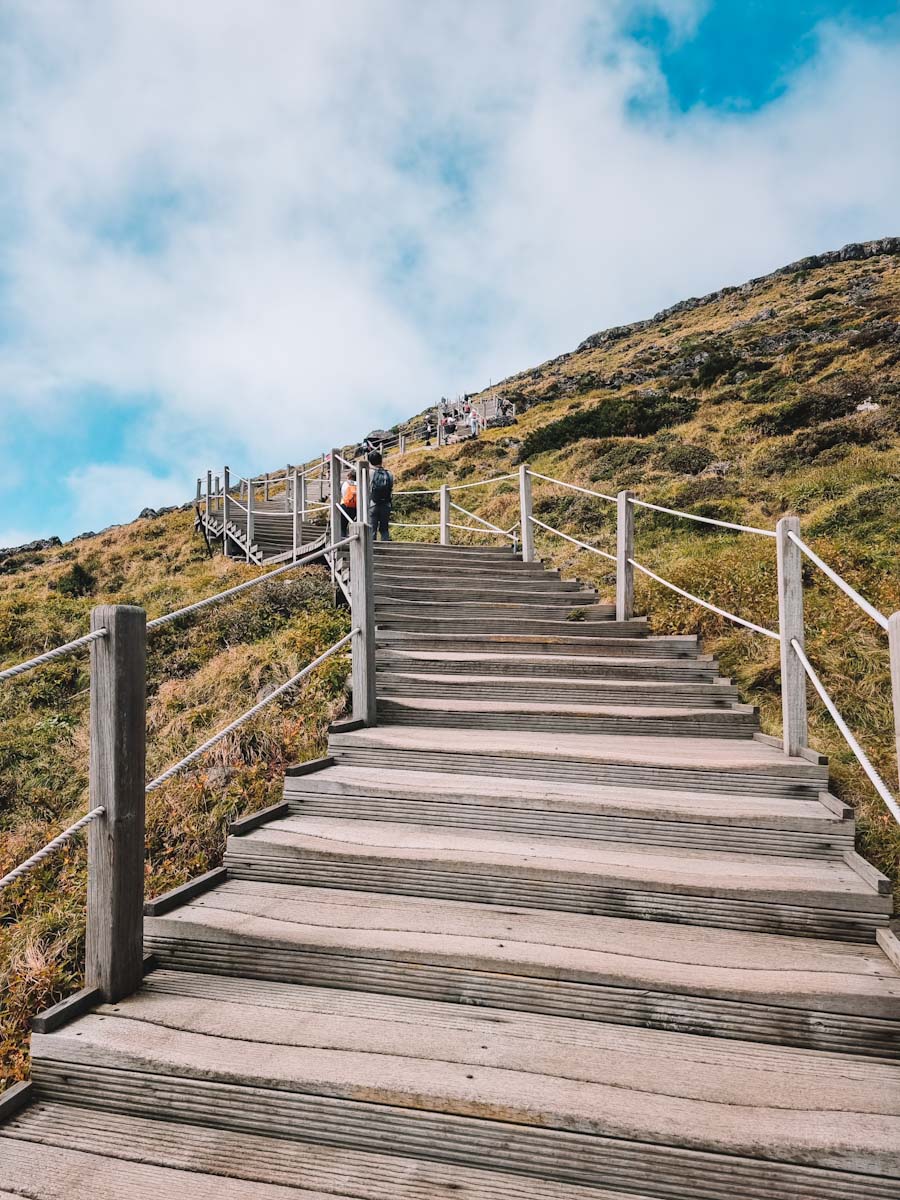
[[381, 492], [451, 421]]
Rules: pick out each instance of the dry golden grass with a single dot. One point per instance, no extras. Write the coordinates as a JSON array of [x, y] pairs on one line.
[[202, 672]]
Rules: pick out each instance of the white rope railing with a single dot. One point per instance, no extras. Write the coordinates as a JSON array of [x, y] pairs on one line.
[[47, 850], [674, 512], [416, 524], [251, 712], [420, 492], [845, 587], [704, 603], [573, 486], [460, 487], [243, 587], [489, 526], [876, 780], [574, 541], [50, 655]]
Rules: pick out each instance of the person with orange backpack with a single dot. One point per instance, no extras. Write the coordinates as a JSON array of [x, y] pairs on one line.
[[349, 502]]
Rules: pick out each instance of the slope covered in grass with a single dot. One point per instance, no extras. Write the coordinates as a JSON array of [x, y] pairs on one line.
[[202, 671], [782, 396]]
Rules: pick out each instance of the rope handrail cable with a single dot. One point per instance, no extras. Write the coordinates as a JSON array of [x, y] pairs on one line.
[[416, 524], [705, 604], [473, 529], [58, 652], [574, 486], [488, 524], [47, 850], [869, 609], [172, 771], [674, 512], [877, 782], [574, 541], [459, 487], [242, 587], [421, 492]]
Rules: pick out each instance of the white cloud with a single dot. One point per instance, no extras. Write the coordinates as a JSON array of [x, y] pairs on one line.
[[362, 205], [104, 494]]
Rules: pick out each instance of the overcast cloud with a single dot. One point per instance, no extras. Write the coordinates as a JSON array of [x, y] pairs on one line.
[[252, 230]]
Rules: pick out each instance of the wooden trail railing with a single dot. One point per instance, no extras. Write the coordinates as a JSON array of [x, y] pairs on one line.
[[117, 773], [796, 669]]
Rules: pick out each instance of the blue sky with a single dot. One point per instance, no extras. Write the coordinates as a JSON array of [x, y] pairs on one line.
[[239, 233]]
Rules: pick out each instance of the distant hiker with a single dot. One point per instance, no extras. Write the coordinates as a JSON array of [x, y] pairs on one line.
[[428, 432], [349, 501], [473, 423], [381, 491]]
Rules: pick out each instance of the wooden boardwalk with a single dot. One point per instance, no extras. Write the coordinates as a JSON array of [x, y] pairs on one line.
[[562, 926]]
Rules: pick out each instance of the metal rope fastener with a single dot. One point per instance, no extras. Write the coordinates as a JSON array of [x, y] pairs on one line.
[[47, 850], [59, 652], [251, 712]]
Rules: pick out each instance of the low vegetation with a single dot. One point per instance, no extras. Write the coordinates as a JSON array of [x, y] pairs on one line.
[[202, 671]]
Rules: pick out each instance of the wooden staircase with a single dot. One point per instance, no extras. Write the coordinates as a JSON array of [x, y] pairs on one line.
[[562, 926]]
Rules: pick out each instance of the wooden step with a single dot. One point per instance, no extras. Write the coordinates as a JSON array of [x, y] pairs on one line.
[[59, 1152], [571, 641], [427, 568], [394, 681], [823, 995], [521, 593], [766, 894], [582, 667], [395, 549], [472, 583], [580, 1102], [699, 764], [469, 612], [737, 721], [653, 816]]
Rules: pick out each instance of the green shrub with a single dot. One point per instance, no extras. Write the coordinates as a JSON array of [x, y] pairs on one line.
[[616, 455], [625, 416], [684, 459], [77, 581], [834, 397]]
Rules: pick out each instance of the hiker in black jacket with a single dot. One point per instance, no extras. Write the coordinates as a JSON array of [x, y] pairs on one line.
[[381, 490]]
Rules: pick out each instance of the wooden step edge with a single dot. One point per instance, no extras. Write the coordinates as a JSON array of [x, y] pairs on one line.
[[838, 807], [887, 939], [311, 765], [871, 875], [187, 891], [66, 1010], [347, 726], [813, 756], [260, 817], [15, 1098]]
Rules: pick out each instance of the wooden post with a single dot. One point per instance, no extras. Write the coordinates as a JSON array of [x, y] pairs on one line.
[[624, 551], [790, 626], [894, 651], [217, 492], [266, 488], [251, 492], [208, 492], [115, 899], [226, 516], [525, 507], [362, 490], [199, 490], [334, 499], [402, 443], [302, 503], [362, 616], [296, 520], [445, 515]]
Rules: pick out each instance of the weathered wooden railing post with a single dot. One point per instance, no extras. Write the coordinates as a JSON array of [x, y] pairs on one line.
[[525, 513], [790, 627], [115, 897], [445, 515], [208, 493], [199, 490], [217, 492], [334, 494], [296, 519], [362, 617], [251, 492], [289, 497], [624, 552], [362, 490], [894, 652], [402, 443], [266, 488], [226, 514]]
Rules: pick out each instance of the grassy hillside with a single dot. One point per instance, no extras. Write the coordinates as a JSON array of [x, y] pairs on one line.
[[202, 672], [782, 396]]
